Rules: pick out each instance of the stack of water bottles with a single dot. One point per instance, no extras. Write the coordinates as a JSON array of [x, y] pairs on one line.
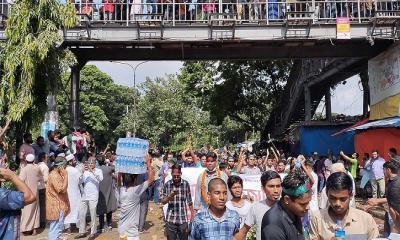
[[130, 155]]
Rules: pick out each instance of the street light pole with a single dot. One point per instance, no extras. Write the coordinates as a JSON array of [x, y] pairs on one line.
[[134, 87]]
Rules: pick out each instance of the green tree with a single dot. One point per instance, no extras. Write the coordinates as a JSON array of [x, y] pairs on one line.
[[169, 117], [244, 91], [31, 60], [103, 104]]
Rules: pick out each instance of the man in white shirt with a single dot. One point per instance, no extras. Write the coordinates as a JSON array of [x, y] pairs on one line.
[[251, 168], [91, 179], [271, 185], [314, 198]]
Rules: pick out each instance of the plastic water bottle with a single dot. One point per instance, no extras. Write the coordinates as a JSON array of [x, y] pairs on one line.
[[129, 147], [339, 231]]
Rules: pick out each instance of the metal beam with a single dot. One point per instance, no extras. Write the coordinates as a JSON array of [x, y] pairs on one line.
[[328, 104], [366, 97], [231, 51], [329, 73], [75, 95], [307, 103]]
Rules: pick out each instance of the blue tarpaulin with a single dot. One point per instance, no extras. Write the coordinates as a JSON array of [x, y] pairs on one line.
[[319, 139]]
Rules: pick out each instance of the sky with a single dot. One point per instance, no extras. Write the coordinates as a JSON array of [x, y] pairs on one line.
[[346, 99]]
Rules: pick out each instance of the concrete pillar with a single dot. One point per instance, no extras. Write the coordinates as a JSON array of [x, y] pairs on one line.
[[74, 100], [307, 103], [328, 105]]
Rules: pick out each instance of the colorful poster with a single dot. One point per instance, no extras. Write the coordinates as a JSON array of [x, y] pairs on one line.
[[343, 28], [384, 75]]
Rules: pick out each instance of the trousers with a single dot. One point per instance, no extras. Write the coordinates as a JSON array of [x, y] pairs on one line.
[[56, 227], [176, 231], [92, 204]]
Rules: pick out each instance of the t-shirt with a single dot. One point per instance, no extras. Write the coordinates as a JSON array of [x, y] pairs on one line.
[[353, 167], [130, 210], [277, 224], [314, 197], [250, 170], [328, 163], [256, 215], [242, 211], [11, 203]]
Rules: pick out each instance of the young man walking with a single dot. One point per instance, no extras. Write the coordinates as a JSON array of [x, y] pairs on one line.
[[271, 186], [176, 193], [205, 222]]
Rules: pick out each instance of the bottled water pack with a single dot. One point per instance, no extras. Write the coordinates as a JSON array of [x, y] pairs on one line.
[[130, 155]]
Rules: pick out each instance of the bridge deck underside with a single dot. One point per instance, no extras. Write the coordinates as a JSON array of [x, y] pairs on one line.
[[98, 50]]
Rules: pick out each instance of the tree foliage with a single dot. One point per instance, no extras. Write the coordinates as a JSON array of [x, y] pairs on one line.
[[244, 91], [31, 59], [171, 116], [103, 104]]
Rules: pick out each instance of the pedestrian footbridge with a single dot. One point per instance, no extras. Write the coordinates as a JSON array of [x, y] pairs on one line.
[[330, 40], [241, 29]]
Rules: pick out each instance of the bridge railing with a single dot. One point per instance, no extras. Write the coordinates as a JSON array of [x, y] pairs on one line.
[[177, 12]]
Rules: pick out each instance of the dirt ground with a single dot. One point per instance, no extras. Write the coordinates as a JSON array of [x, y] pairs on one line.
[[154, 228]]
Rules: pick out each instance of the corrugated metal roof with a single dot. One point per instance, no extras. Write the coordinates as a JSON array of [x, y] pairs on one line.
[[384, 123]]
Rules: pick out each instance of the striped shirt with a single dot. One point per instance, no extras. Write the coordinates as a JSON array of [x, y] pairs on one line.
[[176, 211], [205, 226]]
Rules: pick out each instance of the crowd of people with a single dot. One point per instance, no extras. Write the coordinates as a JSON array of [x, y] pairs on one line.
[[200, 10], [61, 180]]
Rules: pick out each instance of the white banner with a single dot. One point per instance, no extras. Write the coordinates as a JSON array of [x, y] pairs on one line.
[[251, 183], [384, 75]]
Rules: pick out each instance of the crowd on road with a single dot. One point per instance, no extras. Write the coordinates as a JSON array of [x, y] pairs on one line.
[[60, 180]]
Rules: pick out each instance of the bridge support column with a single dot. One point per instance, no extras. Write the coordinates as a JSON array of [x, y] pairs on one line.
[[366, 97], [307, 103], [328, 105], [74, 100]]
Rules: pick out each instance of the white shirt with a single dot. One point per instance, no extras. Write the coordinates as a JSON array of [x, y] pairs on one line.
[[394, 236], [314, 197], [74, 194], [242, 211], [327, 163], [256, 215], [91, 182]]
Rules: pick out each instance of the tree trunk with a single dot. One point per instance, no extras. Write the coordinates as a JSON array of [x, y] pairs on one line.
[[4, 129]]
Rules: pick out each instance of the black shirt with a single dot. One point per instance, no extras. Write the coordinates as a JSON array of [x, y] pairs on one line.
[[277, 224]]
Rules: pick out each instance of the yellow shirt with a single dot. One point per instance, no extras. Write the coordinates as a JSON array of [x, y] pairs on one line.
[[357, 223]]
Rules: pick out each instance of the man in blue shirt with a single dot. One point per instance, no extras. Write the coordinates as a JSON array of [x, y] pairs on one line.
[[217, 222], [11, 203]]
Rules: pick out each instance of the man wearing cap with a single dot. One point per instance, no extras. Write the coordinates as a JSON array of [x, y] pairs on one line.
[[74, 193], [31, 176], [57, 203], [211, 172]]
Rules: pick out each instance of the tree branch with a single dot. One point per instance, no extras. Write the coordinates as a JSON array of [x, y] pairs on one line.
[[4, 129], [236, 117]]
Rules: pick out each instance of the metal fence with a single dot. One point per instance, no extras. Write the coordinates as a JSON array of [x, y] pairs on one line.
[[176, 12]]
